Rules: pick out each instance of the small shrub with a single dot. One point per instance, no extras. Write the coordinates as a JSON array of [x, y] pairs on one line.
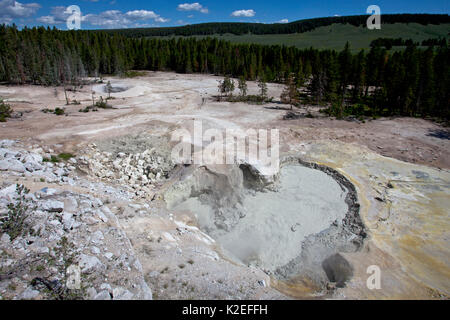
[[5, 111], [13, 223], [66, 255], [59, 111], [102, 104]]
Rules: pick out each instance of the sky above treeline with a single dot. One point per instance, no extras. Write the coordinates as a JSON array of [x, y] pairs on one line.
[[107, 14]]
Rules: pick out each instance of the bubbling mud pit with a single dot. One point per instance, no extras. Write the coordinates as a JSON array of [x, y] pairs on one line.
[[292, 225]]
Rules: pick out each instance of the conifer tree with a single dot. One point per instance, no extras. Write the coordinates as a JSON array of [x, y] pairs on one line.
[[262, 88], [242, 86], [290, 93]]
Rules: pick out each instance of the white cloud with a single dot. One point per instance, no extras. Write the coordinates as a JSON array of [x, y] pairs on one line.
[[11, 9], [107, 19], [244, 13], [141, 14], [47, 20], [162, 20], [283, 21], [58, 15], [192, 7]]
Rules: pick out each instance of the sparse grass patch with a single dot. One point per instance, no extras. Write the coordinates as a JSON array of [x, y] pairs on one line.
[[40, 268], [12, 287], [65, 156], [53, 159]]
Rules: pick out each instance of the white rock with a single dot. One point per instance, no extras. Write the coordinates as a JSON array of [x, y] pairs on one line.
[[71, 205], [12, 165], [97, 237], [55, 223], [135, 206], [59, 172], [147, 293], [122, 294], [47, 191], [7, 143], [103, 295], [90, 264], [5, 153], [106, 286], [5, 239], [39, 250], [33, 162], [109, 255], [52, 206], [68, 220], [92, 293], [102, 216], [95, 250], [29, 294], [8, 193]]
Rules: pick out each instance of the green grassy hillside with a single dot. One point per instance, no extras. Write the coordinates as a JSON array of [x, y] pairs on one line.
[[335, 36]]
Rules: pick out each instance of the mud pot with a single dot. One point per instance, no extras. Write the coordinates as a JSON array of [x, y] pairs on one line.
[[291, 226]]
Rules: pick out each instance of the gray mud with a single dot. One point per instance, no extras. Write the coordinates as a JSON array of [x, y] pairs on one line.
[[288, 229]]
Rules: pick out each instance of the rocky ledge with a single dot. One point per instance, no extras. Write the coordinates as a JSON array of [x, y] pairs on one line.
[[56, 243]]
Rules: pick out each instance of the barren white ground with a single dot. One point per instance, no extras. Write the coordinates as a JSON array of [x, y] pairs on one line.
[[159, 103]]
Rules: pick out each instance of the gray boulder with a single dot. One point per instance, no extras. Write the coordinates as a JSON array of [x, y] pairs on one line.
[[12, 165]]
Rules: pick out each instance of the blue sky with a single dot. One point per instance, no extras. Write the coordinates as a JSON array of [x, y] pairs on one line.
[[134, 13]]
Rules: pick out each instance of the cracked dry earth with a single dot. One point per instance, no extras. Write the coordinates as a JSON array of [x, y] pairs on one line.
[[109, 202]]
